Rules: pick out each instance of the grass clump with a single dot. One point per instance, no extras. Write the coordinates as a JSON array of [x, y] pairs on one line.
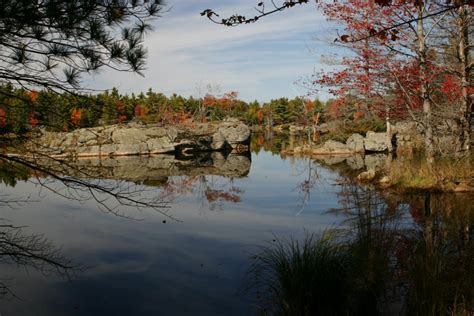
[[316, 276], [445, 174]]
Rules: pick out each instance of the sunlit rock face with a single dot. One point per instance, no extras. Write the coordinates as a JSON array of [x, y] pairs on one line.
[[136, 139], [375, 142]]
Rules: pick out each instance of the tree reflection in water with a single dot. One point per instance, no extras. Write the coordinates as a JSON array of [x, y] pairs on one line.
[[381, 261], [30, 252], [36, 252]]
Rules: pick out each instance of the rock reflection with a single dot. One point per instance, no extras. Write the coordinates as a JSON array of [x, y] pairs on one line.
[[381, 261], [133, 178], [152, 168]]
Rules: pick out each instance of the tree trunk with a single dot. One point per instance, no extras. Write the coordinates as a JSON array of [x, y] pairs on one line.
[[368, 87], [425, 96], [389, 128], [465, 110]]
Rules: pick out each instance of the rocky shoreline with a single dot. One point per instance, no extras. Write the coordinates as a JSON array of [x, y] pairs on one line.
[[137, 139], [404, 138]]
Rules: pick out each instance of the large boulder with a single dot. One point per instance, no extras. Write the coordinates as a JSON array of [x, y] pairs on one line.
[[218, 141], [234, 132], [375, 142], [355, 143]]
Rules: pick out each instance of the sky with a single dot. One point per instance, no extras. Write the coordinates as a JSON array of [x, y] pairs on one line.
[[187, 53]]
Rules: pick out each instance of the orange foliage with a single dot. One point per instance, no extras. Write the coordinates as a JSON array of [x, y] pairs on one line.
[[334, 109], [209, 100], [121, 111], [122, 118], [33, 95], [226, 102], [3, 118], [140, 110], [260, 117], [260, 139], [229, 100], [309, 105], [182, 117], [358, 115], [76, 116], [32, 120], [215, 195]]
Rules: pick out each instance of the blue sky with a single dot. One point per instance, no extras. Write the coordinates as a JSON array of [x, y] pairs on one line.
[[186, 52]]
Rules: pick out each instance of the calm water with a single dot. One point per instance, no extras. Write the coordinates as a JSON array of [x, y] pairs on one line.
[[149, 264]]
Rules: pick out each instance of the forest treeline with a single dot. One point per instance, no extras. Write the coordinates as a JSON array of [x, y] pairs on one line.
[[406, 60], [21, 109]]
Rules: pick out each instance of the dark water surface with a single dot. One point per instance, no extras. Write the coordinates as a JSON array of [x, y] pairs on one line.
[[145, 266], [196, 265]]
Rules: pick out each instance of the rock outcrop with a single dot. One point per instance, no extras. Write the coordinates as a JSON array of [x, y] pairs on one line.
[[408, 137], [375, 142], [355, 144], [136, 139], [332, 147]]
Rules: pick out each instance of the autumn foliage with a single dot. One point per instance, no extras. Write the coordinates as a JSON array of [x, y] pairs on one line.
[[76, 116], [3, 118], [140, 111]]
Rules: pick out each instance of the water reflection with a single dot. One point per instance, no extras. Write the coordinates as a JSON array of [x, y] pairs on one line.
[[29, 252], [380, 253], [195, 264], [11, 173], [276, 143], [379, 262], [118, 183]]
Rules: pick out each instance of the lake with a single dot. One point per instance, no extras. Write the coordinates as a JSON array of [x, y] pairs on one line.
[[194, 256]]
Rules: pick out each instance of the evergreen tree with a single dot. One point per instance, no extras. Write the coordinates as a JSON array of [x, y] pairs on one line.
[[51, 43]]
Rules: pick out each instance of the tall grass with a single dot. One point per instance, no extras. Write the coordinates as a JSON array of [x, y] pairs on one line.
[[301, 278], [445, 174], [317, 276]]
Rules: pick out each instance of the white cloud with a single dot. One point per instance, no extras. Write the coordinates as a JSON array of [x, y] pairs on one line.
[[260, 60]]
